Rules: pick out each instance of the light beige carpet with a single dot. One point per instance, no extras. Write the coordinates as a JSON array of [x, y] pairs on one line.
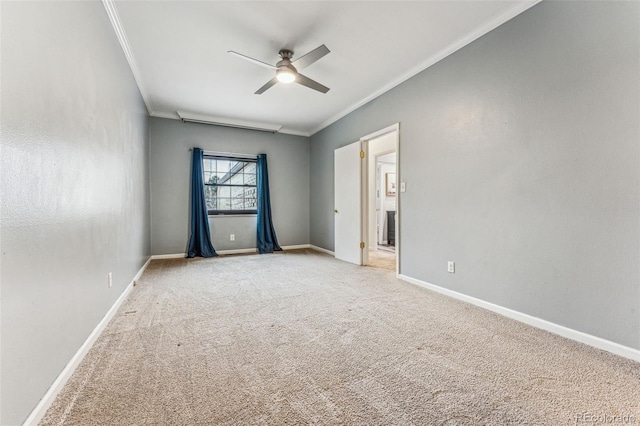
[[301, 338]]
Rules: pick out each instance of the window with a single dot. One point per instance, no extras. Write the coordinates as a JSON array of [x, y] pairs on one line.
[[230, 185]]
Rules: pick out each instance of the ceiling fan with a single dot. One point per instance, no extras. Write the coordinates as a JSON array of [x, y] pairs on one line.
[[287, 71]]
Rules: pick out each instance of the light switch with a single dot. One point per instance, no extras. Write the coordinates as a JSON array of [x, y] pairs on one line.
[[403, 187]]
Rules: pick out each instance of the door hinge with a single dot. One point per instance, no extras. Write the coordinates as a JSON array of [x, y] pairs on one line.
[[361, 154], [361, 245]]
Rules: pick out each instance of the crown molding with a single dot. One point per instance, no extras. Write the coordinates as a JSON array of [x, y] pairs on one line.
[[474, 35], [112, 12]]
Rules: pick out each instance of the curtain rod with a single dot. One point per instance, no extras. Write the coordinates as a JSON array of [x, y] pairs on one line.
[[227, 154]]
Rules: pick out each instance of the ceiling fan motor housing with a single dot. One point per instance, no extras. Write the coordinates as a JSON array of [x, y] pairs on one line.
[[286, 72]]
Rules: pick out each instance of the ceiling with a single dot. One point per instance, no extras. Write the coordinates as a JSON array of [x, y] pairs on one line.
[[178, 52]]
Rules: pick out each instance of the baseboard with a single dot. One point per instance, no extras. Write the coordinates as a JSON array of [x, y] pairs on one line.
[[569, 333], [237, 251], [167, 256], [323, 250], [38, 413], [284, 248], [296, 247], [225, 252], [255, 250]]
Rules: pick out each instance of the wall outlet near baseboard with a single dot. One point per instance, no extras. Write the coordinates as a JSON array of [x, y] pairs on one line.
[[451, 267], [110, 279], [232, 237]]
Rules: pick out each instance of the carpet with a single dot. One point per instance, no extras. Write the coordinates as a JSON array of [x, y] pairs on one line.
[[301, 338]]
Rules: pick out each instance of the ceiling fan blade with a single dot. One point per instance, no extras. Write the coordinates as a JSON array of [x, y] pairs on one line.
[[268, 85], [306, 81], [255, 61], [306, 60]]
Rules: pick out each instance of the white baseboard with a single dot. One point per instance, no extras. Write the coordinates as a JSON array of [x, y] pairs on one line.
[[588, 339], [297, 247], [38, 413], [237, 251], [225, 252], [255, 250], [167, 256], [323, 250]]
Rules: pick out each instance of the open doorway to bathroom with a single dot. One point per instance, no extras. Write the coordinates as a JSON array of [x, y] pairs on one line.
[[382, 196]]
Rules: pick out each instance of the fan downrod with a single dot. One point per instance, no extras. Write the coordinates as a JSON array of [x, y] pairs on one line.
[[286, 54]]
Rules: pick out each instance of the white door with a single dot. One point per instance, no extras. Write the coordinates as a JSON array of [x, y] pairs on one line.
[[348, 203]]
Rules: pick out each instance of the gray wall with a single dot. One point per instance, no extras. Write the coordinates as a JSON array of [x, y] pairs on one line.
[[74, 188], [170, 168], [521, 157]]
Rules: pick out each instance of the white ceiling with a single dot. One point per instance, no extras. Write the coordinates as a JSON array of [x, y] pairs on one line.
[[178, 52]]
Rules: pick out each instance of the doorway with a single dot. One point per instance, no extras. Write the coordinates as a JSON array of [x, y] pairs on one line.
[[367, 176], [381, 206]]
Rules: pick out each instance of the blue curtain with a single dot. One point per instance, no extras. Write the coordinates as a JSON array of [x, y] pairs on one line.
[[200, 240], [267, 241]]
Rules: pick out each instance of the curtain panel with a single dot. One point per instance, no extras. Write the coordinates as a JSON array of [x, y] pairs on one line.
[[200, 238], [267, 240]]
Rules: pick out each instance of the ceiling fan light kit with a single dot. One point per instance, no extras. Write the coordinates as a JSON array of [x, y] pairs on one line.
[[285, 75], [288, 71]]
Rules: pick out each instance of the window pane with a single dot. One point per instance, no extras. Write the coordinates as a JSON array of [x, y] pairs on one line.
[[221, 177], [224, 192], [223, 166], [235, 179], [250, 198], [249, 179], [210, 195], [237, 203], [231, 184], [209, 165], [223, 204]]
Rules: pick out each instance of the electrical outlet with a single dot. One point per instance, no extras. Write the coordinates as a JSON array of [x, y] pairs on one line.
[[110, 278], [451, 267], [232, 237]]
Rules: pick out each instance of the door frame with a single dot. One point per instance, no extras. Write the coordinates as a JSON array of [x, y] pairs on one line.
[[364, 192]]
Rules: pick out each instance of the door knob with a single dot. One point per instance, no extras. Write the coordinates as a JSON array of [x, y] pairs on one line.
[[335, 210]]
